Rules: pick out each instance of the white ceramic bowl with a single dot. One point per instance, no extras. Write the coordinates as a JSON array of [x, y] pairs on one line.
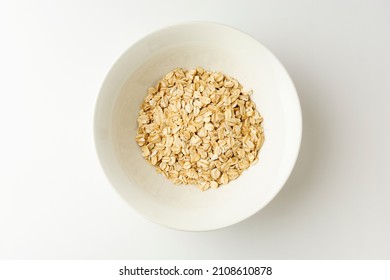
[[214, 47]]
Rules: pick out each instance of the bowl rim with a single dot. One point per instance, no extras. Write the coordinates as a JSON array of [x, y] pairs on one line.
[[298, 115]]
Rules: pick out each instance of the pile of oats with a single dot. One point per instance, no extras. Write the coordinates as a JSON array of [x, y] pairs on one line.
[[199, 127]]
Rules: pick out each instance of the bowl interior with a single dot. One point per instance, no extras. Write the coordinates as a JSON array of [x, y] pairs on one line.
[[214, 47]]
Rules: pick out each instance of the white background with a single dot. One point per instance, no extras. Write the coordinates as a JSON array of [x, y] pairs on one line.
[[55, 201]]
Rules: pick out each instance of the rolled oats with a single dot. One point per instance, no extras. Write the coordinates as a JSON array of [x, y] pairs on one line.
[[199, 127]]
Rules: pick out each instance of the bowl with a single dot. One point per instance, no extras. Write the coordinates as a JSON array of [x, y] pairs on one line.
[[214, 47]]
